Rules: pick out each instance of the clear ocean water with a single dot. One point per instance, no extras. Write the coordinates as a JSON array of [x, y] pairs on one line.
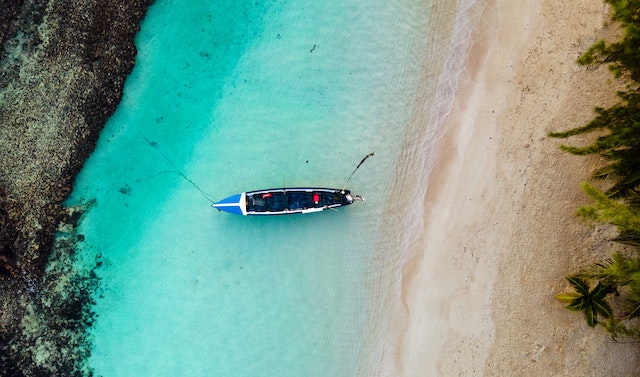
[[236, 96]]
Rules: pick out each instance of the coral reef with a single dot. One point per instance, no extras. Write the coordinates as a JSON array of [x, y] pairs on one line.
[[62, 70]]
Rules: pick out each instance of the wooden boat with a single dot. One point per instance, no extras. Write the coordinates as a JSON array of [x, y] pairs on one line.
[[286, 201]]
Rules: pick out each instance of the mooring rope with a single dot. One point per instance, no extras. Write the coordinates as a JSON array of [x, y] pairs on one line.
[[154, 145]]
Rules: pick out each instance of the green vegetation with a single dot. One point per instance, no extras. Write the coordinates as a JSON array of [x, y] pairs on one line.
[[614, 300], [591, 302], [623, 56]]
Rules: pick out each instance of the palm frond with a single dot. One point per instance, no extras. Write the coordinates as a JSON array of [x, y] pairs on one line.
[[632, 309], [631, 303], [577, 305], [599, 300], [567, 298], [628, 238], [603, 308], [590, 317], [580, 285]]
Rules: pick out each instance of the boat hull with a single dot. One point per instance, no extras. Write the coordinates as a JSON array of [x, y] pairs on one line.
[[285, 201]]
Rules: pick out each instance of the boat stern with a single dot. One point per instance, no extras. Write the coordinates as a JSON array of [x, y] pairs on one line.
[[235, 204]]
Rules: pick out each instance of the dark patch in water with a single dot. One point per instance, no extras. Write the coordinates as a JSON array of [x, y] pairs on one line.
[[78, 84], [54, 312]]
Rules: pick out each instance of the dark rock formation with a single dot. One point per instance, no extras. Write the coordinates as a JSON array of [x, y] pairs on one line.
[[62, 69]]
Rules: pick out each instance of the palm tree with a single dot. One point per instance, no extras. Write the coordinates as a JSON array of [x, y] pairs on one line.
[[622, 272], [609, 211], [592, 303], [619, 144], [622, 56]]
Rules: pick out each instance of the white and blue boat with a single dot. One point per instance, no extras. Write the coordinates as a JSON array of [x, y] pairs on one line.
[[286, 201]]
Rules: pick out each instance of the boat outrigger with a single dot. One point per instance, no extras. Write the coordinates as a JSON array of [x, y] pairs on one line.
[[285, 201]]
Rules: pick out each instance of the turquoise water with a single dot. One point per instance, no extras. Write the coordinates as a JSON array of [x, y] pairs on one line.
[[238, 96]]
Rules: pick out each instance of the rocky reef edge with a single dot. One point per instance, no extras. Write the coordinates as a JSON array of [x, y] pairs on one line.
[[63, 64]]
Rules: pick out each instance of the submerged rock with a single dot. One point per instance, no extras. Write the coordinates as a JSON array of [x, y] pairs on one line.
[[62, 70]]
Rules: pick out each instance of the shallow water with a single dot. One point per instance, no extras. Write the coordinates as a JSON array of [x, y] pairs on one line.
[[236, 97]]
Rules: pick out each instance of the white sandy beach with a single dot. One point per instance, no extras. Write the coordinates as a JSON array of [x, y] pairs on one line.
[[500, 232]]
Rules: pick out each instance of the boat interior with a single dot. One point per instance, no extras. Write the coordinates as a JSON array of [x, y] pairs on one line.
[[280, 201]]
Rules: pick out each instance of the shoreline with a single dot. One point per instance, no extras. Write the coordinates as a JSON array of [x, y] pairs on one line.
[[500, 232]]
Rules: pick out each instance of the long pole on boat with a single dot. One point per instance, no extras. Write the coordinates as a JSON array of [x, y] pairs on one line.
[[354, 170]]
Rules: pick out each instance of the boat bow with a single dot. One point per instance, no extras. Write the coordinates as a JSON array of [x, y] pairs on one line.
[[235, 204]]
